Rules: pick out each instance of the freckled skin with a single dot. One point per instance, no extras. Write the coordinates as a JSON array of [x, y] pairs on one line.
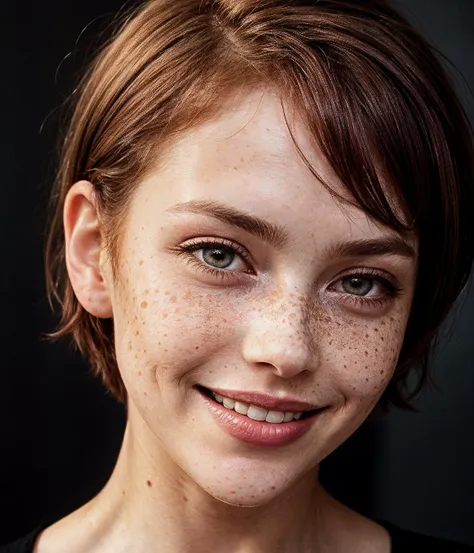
[[280, 330]]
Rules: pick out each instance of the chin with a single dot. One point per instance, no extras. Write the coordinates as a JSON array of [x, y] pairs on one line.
[[243, 498], [251, 485]]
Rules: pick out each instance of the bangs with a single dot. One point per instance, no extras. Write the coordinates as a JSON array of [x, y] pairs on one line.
[[385, 143]]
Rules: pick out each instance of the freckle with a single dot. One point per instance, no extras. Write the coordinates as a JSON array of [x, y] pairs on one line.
[[273, 487], [144, 304], [137, 332], [376, 350], [366, 353], [345, 366], [145, 394], [382, 371], [165, 334], [165, 315], [149, 483], [140, 262], [185, 498], [123, 492], [366, 335], [139, 373], [197, 347], [382, 338], [366, 379], [376, 329]]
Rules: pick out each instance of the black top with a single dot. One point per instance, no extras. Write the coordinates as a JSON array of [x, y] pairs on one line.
[[403, 541]]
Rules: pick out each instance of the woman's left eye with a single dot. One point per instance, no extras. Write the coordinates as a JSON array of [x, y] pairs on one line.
[[366, 290], [360, 286]]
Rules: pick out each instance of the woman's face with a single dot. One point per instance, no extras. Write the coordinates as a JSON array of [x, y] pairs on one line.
[[240, 275]]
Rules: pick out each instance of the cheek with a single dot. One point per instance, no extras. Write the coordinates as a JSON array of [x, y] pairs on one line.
[[167, 331], [362, 356]]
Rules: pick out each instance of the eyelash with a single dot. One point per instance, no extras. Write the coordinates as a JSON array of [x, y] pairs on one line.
[[390, 286]]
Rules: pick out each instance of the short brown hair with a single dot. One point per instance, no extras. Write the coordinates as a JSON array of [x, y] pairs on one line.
[[370, 89]]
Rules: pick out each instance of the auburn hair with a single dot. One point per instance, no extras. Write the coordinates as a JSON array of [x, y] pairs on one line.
[[370, 89]]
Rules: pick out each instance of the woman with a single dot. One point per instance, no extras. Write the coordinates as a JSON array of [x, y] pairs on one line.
[[267, 213]]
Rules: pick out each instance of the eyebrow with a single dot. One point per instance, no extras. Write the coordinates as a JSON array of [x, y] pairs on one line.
[[386, 245], [277, 236]]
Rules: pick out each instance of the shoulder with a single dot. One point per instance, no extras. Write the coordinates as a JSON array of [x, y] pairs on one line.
[[405, 541], [25, 544]]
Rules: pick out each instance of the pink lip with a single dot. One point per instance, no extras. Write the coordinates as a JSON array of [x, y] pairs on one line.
[[255, 432], [267, 402]]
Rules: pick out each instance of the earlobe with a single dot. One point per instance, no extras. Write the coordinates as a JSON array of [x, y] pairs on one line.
[[83, 247]]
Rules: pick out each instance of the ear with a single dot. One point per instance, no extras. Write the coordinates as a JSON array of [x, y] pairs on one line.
[[84, 250]]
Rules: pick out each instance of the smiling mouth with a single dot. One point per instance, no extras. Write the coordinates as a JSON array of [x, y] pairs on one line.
[[256, 412]]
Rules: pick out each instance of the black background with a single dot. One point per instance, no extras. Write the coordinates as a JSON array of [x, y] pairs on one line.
[[60, 432]]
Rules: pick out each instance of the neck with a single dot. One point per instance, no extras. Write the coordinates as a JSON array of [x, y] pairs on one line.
[[157, 507]]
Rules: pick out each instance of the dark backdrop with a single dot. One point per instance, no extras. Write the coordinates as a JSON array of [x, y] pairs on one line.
[[60, 432]]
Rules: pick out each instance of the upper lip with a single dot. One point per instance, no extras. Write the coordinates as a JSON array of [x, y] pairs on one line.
[[268, 402]]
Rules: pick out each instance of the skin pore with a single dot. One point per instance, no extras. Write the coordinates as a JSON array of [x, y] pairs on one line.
[[311, 303]]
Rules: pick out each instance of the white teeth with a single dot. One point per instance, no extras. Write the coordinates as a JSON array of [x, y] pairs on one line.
[[275, 416], [229, 403], [257, 413], [241, 408]]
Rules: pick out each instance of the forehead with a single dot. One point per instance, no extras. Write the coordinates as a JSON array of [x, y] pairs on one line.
[[245, 157]]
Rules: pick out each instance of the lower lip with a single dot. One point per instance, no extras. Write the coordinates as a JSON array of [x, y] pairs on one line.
[[258, 433]]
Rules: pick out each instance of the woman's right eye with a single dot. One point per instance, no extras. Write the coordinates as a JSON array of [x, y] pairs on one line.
[[218, 258]]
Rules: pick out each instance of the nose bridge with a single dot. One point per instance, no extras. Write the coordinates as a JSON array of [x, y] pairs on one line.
[[279, 334]]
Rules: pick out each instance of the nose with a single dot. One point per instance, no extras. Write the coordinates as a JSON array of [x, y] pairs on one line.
[[279, 339]]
